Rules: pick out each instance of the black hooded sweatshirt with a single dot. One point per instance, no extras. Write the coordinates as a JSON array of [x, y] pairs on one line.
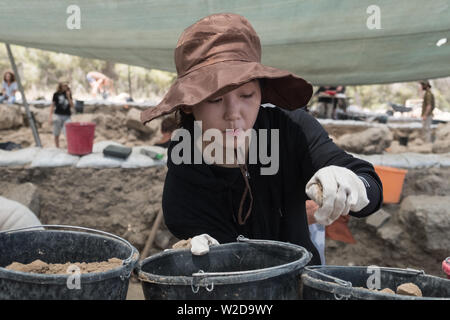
[[203, 198]]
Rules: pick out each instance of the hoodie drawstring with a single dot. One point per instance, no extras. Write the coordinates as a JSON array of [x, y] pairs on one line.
[[244, 171]]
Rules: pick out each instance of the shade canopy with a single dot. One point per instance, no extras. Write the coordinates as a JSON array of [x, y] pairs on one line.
[[325, 41]]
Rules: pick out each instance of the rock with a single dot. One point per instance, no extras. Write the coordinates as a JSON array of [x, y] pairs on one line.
[[182, 244], [133, 121], [427, 219], [421, 148], [415, 134], [390, 233], [409, 289], [378, 218], [443, 131], [387, 290], [10, 117], [26, 194], [442, 141], [430, 184], [41, 116], [370, 141], [441, 146]]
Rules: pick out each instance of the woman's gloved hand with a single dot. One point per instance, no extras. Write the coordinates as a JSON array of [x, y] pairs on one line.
[[337, 191], [200, 244]]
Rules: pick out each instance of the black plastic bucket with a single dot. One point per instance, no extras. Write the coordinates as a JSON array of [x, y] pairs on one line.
[[62, 244], [341, 282], [247, 269]]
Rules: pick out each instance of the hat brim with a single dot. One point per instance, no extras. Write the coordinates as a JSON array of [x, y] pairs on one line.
[[283, 88]]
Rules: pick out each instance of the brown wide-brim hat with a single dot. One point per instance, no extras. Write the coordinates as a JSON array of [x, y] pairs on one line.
[[219, 53]]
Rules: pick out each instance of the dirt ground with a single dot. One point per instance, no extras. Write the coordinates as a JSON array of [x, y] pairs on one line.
[[126, 201], [372, 250], [109, 126]]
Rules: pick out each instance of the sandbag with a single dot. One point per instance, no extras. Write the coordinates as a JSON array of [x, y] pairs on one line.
[[18, 158], [53, 157], [14, 215], [97, 160]]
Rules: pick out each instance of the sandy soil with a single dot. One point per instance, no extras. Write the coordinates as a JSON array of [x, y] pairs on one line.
[[124, 202], [38, 266]]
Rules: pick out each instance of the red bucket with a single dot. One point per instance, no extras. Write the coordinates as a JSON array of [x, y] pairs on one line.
[[446, 267], [80, 137]]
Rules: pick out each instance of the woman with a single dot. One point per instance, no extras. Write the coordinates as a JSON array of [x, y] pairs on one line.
[[9, 88], [100, 83], [222, 83], [60, 110]]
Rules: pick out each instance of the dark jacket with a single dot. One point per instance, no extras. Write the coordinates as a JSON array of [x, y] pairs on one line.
[[195, 201]]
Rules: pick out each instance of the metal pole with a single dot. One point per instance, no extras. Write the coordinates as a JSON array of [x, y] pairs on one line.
[[24, 100]]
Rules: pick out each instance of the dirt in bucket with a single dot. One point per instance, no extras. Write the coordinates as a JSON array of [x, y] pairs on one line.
[[405, 289], [41, 267]]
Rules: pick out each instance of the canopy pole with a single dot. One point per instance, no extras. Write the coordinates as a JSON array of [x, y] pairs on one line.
[[24, 100], [129, 82]]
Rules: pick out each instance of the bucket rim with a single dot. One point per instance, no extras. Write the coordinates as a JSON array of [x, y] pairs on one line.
[[80, 124], [124, 271], [346, 292], [224, 278], [391, 169]]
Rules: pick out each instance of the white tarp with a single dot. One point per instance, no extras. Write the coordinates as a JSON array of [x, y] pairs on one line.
[[408, 160], [53, 157], [19, 157]]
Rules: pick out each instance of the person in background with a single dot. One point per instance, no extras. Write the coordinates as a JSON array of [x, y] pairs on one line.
[[9, 88], [100, 83], [60, 109], [327, 105], [168, 125], [427, 110], [339, 103], [325, 108]]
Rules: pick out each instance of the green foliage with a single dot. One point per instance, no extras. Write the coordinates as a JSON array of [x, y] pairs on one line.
[[41, 70]]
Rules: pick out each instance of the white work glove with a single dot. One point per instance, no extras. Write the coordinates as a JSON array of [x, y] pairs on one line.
[[337, 191], [200, 244]]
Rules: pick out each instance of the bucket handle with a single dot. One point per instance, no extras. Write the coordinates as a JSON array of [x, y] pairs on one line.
[[201, 274], [195, 286], [343, 283], [203, 277], [241, 238], [340, 282], [127, 262], [407, 270]]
